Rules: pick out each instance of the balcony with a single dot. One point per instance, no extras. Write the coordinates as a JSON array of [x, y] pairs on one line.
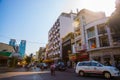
[[77, 28], [102, 48], [77, 38], [78, 48]]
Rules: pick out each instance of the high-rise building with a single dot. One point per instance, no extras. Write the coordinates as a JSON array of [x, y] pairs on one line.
[[60, 29], [12, 42], [22, 47]]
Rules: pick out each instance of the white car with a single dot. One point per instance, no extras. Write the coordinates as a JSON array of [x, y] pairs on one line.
[[94, 67]]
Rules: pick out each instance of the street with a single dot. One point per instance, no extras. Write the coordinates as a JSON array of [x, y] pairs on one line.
[[45, 75]]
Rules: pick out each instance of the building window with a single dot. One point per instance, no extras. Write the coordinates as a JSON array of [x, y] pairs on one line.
[[116, 39], [92, 43], [78, 42], [101, 29], [78, 45], [91, 32], [104, 41]]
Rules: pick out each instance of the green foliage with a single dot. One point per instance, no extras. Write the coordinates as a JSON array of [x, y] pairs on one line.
[[13, 62], [114, 24], [28, 59]]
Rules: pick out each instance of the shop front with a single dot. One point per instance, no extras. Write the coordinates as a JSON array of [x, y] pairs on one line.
[[4, 56], [117, 59], [109, 56], [72, 57], [97, 58], [83, 57]]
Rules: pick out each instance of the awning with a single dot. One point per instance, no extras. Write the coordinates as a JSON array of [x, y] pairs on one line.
[[48, 60], [7, 54], [4, 55]]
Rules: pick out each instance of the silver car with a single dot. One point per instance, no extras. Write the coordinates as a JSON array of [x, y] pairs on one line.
[[94, 67]]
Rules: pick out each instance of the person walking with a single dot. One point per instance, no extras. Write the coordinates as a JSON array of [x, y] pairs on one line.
[[52, 69], [42, 67]]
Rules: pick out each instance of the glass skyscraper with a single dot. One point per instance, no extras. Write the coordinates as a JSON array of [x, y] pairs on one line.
[[22, 47], [12, 42]]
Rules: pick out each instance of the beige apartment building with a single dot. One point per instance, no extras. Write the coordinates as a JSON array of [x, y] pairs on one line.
[[6, 47], [94, 38], [100, 43], [83, 18]]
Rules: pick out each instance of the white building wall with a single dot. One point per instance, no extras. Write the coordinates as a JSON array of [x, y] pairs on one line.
[[100, 21], [65, 26], [93, 24]]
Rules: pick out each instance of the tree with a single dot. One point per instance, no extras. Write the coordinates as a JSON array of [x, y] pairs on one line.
[[114, 22], [28, 59]]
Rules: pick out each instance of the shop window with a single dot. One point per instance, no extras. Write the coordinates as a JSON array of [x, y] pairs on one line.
[[107, 60], [97, 58], [104, 42]]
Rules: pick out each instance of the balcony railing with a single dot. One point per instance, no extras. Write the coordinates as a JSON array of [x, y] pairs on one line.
[[78, 48], [78, 38]]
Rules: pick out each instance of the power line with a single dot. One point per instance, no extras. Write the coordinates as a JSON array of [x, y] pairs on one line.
[[21, 39]]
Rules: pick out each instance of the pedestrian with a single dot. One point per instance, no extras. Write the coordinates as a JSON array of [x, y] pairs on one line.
[[52, 69], [118, 66], [42, 67]]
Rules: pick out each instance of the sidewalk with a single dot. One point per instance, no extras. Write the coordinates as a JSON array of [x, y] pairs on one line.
[[4, 69], [8, 69]]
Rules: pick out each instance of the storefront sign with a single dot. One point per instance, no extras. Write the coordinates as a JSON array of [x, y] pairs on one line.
[[72, 57]]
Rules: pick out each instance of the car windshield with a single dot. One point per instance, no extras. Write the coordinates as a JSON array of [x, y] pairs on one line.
[[44, 64], [61, 63]]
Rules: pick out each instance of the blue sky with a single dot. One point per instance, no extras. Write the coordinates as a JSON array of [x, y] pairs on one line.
[[31, 20]]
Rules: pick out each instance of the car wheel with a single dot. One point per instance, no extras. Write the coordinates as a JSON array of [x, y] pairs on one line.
[[81, 73], [107, 75]]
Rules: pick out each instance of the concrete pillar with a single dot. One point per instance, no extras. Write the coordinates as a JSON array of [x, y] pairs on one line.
[[97, 37], [109, 36]]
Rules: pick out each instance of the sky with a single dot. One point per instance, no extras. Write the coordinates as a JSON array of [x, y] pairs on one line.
[[31, 20]]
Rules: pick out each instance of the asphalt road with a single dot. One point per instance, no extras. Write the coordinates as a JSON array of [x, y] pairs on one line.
[[45, 75]]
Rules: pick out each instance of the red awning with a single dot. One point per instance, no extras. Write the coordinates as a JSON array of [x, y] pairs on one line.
[[83, 57]]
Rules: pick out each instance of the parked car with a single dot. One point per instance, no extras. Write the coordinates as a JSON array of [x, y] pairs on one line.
[[44, 65], [94, 67], [60, 66]]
